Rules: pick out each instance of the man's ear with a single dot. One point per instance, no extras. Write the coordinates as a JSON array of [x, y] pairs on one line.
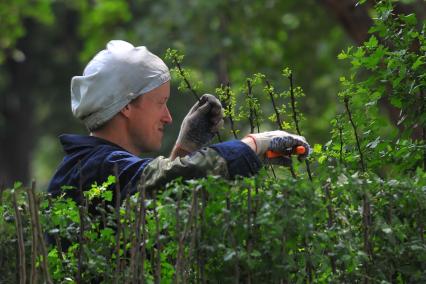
[[126, 110]]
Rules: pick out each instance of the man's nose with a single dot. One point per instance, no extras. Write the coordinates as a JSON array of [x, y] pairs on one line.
[[167, 118]]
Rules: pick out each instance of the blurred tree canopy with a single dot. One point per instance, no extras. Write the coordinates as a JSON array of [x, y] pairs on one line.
[[43, 43]]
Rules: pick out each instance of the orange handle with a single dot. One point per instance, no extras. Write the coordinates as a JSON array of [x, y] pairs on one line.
[[298, 150]]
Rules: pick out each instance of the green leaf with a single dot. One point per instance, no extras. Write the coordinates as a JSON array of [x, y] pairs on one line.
[[410, 19], [342, 56], [317, 148], [419, 61], [17, 185], [372, 42]]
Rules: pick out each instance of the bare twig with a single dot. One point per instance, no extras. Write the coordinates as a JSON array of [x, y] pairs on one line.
[[118, 224], [277, 113], [56, 236], [34, 240], [157, 268], [188, 85], [201, 235], [366, 207], [252, 112], [42, 245], [341, 144], [423, 98], [232, 239], [188, 229], [136, 248], [296, 121], [127, 237], [228, 106], [280, 125], [346, 100], [20, 236], [249, 232], [2, 189], [194, 229], [182, 74], [144, 235], [176, 277], [330, 220], [81, 237]]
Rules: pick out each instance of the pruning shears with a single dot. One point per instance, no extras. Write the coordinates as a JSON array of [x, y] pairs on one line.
[[297, 150]]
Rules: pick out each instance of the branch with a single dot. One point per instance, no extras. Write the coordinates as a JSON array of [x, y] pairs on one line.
[[296, 121], [20, 235], [346, 100]]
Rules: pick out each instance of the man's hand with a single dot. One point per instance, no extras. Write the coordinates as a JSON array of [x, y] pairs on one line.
[[201, 124], [276, 141]]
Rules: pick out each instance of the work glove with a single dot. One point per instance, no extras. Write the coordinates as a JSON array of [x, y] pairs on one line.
[[280, 142], [201, 124]]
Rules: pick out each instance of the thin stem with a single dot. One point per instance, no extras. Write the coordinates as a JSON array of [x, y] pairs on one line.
[[194, 228], [127, 237], [118, 224], [341, 143], [330, 220], [2, 189], [57, 240], [188, 85], [296, 121], [186, 231], [293, 104], [279, 123], [277, 113], [251, 111], [366, 210], [423, 98], [249, 232], [103, 215], [346, 100], [81, 238], [34, 243], [144, 237], [232, 239], [201, 260], [228, 106], [284, 233], [182, 73], [137, 237], [308, 264], [157, 269], [42, 245], [178, 264], [20, 236]]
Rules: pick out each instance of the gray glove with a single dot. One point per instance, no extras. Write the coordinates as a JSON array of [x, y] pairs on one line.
[[281, 142], [201, 124]]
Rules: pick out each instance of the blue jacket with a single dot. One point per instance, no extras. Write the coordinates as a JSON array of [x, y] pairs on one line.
[[91, 159]]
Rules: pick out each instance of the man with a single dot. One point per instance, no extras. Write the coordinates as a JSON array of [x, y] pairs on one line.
[[122, 99]]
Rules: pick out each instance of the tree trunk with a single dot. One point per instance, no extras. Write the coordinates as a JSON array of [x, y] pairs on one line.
[[17, 127]]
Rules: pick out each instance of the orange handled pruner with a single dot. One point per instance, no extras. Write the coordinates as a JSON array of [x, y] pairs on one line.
[[298, 150]]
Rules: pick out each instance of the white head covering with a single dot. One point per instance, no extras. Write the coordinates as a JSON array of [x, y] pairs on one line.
[[113, 78]]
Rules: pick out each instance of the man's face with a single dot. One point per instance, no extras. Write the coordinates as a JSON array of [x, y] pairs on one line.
[[148, 117]]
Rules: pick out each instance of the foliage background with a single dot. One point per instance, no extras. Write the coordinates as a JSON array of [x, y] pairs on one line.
[[44, 43]]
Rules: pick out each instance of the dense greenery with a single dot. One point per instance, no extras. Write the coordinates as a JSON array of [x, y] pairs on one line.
[[355, 212]]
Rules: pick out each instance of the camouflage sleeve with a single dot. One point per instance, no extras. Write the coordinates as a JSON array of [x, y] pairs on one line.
[[201, 163]]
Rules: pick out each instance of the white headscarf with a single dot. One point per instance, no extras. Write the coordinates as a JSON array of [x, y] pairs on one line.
[[113, 78]]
